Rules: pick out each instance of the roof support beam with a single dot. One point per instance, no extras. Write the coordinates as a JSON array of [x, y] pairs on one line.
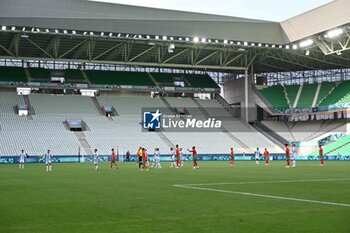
[[207, 57], [72, 49], [6, 50], [142, 53], [176, 55], [107, 51], [38, 47]]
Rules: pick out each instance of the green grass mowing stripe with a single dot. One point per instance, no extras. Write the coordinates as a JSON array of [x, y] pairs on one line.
[[75, 198]]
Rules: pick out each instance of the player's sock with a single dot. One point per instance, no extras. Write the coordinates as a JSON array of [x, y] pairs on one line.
[[50, 168], [47, 168], [257, 162]]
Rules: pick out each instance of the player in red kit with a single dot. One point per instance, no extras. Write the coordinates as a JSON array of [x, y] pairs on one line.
[[232, 157], [320, 153], [145, 159], [195, 157], [266, 155], [113, 159], [288, 156], [177, 156]]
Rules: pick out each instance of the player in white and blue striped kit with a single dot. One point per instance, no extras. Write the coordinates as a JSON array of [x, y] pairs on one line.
[[156, 159], [257, 156], [48, 159], [22, 157], [95, 159]]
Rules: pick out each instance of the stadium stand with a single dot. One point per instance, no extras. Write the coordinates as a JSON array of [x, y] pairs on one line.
[[341, 90], [74, 76], [307, 96], [326, 88], [276, 96], [119, 78], [14, 74], [40, 74], [292, 91], [339, 147]]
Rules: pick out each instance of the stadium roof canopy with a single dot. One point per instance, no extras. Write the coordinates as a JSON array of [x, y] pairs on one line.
[[86, 31]]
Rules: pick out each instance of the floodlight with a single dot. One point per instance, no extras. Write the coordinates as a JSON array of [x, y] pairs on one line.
[[13, 28], [23, 29], [119, 35], [203, 40], [47, 30], [156, 37], [65, 31], [110, 34], [195, 39], [259, 44], [187, 39], [287, 46], [307, 52], [3, 28], [102, 34], [245, 43], [148, 37], [334, 33], [306, 43], [165, 37], [252, 44], [91, 33], [180, 38], [295, 46], [171, 38], [238, 43], [84, 33]]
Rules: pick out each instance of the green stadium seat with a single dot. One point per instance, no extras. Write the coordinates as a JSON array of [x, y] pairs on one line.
[[16, 74], [119, 78], [307, 96]]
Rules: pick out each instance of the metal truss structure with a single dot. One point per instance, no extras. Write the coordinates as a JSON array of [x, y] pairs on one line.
[[137, 52]]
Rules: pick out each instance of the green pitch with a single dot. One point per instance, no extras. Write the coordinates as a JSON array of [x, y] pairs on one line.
[[246, 198]]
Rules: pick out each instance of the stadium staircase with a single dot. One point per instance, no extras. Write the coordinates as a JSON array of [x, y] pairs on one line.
[[86, 78], [29, 77], [270, 134], [225, 105], [165, 139], [83, 142], [286, 96], [98, 106], [318, 89], [203, 111], [171, 109], [297, 96], [153, 79], [31, 109]]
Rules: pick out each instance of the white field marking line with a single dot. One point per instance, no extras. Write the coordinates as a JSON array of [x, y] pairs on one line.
[[264, 196], [268, 182]]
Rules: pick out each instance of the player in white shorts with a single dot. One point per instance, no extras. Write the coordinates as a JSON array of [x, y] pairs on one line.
[[95, 159], [156, 159], [172, 157], [257, 156], [22, 157], [294, 153], [48, 160], [181, 157]]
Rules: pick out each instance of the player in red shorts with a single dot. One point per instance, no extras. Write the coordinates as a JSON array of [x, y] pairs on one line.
[[320, 153], [195, 157], [145, 159], [287, 156], [232, 157], [266, 155], [113, 159], [177, 156]]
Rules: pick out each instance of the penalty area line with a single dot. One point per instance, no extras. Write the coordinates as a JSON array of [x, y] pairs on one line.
[[263, 196]]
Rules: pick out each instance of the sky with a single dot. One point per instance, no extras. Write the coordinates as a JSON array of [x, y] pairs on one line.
[[272, 10]]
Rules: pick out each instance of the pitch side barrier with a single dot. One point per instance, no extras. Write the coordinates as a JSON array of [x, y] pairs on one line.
[[165, 158]]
